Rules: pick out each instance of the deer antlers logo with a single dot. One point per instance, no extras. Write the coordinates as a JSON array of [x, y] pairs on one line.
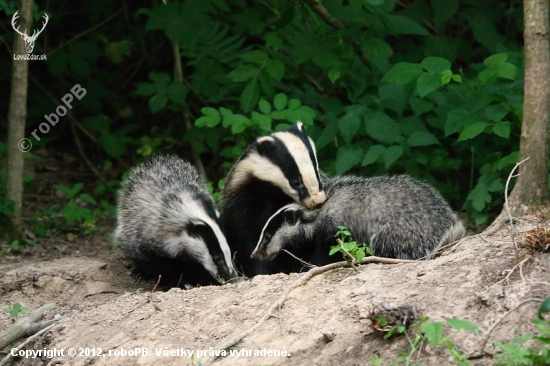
[[29, 41]]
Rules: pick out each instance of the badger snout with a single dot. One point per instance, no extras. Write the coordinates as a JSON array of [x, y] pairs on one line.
[[258, 255], [315, 200]]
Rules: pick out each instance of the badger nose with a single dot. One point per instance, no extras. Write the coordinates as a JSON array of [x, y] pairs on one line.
[[256, 255], [315, 200]]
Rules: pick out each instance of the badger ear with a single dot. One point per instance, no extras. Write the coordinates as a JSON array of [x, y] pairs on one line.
[[291, 215], [265, 144], [298, 127]]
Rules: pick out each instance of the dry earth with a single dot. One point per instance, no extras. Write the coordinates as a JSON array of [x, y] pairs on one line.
[[323, 322]]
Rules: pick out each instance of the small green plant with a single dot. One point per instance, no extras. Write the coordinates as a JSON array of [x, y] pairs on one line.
[[517, 353], [423, 331], [13, 248], [352, 251], [15, 310], [138, 291]]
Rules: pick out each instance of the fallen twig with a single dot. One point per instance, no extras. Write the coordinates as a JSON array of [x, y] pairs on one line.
[[500, 319], [299, 282], [25, 326], [520, 264]]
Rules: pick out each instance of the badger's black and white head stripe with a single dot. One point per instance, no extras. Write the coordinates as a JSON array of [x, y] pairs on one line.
[[196, 233], [169, 223], [288, 160], [291, 224]]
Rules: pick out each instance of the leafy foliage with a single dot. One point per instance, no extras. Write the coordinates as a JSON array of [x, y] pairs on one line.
[[432, 88], [15, 310], [537, 353], [352, 251]]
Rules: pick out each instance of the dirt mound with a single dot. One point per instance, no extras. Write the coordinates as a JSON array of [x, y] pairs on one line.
[[324, 322]]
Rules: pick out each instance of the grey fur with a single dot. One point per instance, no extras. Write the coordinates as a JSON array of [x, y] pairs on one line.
[[396, 216], [169, 223]]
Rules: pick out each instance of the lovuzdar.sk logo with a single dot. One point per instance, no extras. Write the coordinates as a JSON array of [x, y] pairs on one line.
[[29, 40]]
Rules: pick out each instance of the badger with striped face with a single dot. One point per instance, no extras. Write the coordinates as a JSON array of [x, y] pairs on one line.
[[170, 225], [397, 217], [273, 171]]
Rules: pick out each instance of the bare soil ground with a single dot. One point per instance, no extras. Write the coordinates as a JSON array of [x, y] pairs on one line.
[[324, 322]]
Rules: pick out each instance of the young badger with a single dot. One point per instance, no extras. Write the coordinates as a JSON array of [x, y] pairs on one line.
[[396, 216], [169, 223], [273, 171]]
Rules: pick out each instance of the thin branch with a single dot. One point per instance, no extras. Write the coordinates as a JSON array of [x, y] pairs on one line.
[[299, 282], [83, 155], [62, 45], [510, 176], [502, 318], [309, 265], [324, 14]]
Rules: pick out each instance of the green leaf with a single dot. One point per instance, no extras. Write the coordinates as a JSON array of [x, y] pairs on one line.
[[456, 120], [145, 89], [333, 74], [263, 121], [435, 65], [496, 186], [479, 196], [264, 106], [459, 324], [510, 159], [427, 83], [177, 92], [472, 131], [377, 51], [250, 95], [487, 74], [422, 138], [76, 188], [158, 102], [402, 73], [213, 116], [333, 250], [443, 9], [294, 104], [87, 198], [405, 25], [502, 129], [382, 128], [351, 121], [244, 73], [495, 61], [226, 112], [328, 134], [544, 308], [484, 31], [507, 71], [115, 51], [433, 332], [347, 157], [373, 154], [235, 119], [112, 145], [280, 101], [276, 69], [257, 57], [392, 154]]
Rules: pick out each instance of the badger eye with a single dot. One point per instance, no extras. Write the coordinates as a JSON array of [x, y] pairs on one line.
[[296, 182]]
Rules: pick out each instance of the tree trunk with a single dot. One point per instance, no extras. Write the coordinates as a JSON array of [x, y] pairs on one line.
[[17, 114], [531, 189]]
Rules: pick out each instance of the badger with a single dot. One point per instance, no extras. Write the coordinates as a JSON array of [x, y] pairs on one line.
[[273, 171], [170, 225], [396, 216]]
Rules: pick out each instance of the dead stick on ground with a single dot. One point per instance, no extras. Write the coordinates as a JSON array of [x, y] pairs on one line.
[[520, 264], [9, 355], [299, 282], [21, 327], [502, 318]]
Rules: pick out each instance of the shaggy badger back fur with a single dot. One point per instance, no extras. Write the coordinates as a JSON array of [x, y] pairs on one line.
[[273, 171], [169, 223], [397, 217]]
